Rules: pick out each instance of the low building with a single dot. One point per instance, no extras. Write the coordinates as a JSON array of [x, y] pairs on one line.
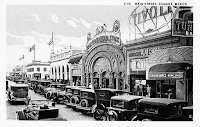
[[61, 68], [38, 70]]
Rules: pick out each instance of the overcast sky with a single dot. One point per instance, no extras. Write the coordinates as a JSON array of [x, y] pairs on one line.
[[33, 24]]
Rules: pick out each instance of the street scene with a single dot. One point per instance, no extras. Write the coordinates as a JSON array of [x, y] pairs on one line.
[[130, 62]]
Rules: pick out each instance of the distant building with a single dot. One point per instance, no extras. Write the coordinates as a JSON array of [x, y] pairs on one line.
[[63, 68], [38, 70]]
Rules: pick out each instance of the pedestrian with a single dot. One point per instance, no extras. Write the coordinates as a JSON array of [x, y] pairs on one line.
[[90, 86], [171, 95], [148, 91]]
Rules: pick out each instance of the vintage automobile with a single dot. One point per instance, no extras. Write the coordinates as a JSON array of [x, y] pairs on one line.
[[39, 110], [32, 83], [123, 107], [187, 113], [102, 97], [17, 92], [68, 94], [160, 109], [41, 85], [75, 98], [50, 92], [87, 100], [58, 94]]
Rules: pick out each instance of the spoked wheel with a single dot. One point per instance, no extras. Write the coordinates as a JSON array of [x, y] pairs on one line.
[[97, 115]]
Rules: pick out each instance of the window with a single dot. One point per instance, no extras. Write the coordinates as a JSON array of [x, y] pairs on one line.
[[38, 69], [119, 104], [151, 109], [45, 69]]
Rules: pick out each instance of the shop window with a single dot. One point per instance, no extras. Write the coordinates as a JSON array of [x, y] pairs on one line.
[[38, 69]]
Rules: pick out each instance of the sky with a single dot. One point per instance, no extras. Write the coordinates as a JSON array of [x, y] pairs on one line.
[[27, 25]]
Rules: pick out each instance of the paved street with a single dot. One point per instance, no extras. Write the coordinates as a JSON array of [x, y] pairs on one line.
[[64, 111]]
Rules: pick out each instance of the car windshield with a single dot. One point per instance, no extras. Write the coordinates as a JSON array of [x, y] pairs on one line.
[[68, 90], [19, 89], [151, 109], [119, 104]]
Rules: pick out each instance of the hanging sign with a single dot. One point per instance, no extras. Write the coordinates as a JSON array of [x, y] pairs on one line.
[[183, 27]]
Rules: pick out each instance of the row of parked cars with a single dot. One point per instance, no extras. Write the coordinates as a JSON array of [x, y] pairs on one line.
[[111, 104]]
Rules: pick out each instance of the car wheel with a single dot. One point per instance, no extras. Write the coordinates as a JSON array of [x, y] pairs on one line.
[[134, 118], [97, 115], [112, 116], [84, 103], [21, 115]]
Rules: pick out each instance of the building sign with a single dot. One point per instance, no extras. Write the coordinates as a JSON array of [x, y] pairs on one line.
[[183, 27], [148, 19], [76, 72], [143, 52], [103, 36], [137, 64], [166, 75]]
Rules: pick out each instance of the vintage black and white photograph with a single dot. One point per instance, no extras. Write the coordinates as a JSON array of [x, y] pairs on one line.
[[126, 62]]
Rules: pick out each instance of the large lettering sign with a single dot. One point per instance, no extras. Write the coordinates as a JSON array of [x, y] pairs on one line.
[[137, 64], [148, 19], [103, 36], [183, 27]]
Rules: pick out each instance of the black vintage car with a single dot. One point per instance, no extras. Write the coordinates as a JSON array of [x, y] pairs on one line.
[[32, 83], [75, 98], [103, 96], [160, 109], [41, 85], [187, 113], [68, 94], [39, 110], [123, 107], [87, 100], [58, 95]]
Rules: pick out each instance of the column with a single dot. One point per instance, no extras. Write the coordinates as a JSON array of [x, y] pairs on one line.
[[117, 81], [92, 80], [87, 79], [100, 80]]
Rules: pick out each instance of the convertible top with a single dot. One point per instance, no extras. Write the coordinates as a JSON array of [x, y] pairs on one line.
[[126, 97], [87, 90], [160, 101]]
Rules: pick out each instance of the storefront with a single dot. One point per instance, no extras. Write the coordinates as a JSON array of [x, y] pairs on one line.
[[104, 60], [76, 69], [162, 61]]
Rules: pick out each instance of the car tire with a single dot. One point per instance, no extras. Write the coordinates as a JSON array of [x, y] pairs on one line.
[[97, 115], [114, 116], [21, 115], [84, 103]]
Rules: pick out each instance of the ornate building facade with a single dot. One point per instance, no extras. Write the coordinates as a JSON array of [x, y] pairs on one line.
[[104, 59]]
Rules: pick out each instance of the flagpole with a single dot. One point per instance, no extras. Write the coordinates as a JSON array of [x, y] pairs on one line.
[[34, 52], [52, 42]]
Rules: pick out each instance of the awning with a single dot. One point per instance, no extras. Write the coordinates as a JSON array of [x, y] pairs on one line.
[[75, 59], [170, 67], [169, 71]]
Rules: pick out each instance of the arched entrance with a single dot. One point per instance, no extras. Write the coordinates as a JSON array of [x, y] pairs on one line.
[[105, 79]]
